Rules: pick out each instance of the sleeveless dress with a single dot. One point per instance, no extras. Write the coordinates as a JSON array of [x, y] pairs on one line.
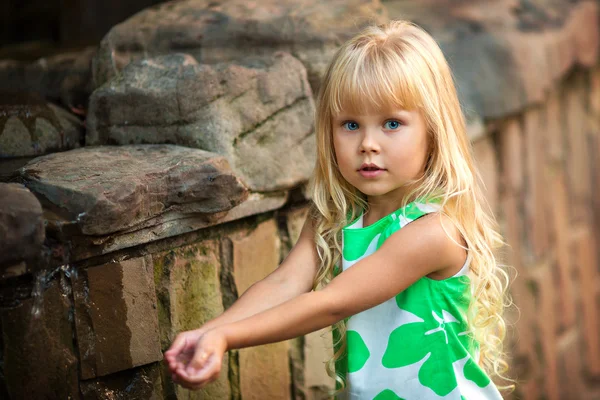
[[415, 346]]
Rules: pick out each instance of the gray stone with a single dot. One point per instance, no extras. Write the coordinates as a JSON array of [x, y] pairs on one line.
[[29, 126], [216, 31], [102, 190], [21, 225], [116, 317], [258, 113], [506, 57], [64, 78]]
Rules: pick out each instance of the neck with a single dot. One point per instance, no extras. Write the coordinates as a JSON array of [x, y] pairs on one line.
[[380, 206]]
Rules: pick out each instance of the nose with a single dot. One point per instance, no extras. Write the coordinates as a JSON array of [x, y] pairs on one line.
[[369, 142]]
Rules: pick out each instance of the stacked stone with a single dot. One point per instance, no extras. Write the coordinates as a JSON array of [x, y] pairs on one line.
[[188, 185]]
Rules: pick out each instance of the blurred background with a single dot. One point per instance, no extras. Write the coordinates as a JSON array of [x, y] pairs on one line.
[[154, 158]]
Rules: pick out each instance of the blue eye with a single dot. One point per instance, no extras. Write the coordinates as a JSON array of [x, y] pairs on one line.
[[392, 124], [350, 125]]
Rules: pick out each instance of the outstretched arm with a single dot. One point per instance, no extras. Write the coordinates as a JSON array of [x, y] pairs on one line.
[[417, 250], [293, 277]]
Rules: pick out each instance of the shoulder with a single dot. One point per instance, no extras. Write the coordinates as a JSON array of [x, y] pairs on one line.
[[434, 239]]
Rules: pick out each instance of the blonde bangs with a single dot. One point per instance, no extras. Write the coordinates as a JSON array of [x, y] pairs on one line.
[[372, 78]]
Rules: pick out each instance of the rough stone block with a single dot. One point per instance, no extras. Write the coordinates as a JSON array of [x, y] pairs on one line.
[[116, 317], [535, 201], [579, 176], [570, 364], [38, 355], [561, 248], [216, 32], [586, 263], [487, 164], [545, 317], [189, 294], [21, 225], [142, 383], [30, 127], [264, 370], [511, 155], [114, 188], [258, 113]]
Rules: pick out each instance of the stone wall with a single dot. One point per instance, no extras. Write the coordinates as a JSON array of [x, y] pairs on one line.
[[181, 189]]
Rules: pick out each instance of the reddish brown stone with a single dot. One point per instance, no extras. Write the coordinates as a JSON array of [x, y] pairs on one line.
[[586, 263], [570, 368], [487, 165], [511, 153], [535, 201], [116, 317], [561, 248], [264, 370], [38, 355]]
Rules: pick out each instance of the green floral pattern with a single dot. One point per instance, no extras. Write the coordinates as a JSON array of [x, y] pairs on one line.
[[415, 345]]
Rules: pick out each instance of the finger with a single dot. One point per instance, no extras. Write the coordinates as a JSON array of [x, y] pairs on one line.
[[198, 361], [178, 344]]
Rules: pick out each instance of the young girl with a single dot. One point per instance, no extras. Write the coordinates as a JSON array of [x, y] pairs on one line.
[[399, 240]]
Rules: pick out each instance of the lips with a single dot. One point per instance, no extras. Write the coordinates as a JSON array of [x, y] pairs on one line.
[[371, 170]]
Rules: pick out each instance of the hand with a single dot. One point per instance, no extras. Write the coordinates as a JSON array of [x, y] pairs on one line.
[[182, 350], [206, 362]]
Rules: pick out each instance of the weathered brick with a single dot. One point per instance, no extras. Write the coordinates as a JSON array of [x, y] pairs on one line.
[[561, 247], [511, 147], [577, 161], [545, 317], [487, 164], [318, 348], [189, 294], [594, 91], [39, 360], [553, 134], [586, 266], [570, 369], [535, 202], [264, 370], [116, 317]]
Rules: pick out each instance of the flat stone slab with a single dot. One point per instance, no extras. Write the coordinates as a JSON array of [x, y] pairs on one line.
[[103, 190], [257, 112]]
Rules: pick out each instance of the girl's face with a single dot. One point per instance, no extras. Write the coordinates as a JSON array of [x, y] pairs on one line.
[[379, 153]]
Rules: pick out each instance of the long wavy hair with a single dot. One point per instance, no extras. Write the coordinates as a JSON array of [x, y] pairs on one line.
[[400, 65]]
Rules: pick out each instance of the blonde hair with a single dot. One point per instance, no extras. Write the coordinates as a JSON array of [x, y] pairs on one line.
[[400, 65]]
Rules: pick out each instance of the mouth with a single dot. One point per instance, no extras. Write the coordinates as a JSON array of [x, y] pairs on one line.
[[371, 170], [370, 167]]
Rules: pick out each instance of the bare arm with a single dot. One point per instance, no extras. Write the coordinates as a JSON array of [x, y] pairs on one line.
[[411, 253], [293, 277]]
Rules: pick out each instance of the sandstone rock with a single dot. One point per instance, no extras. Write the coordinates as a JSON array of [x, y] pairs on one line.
[[264, 370], [107, 189], [507, 55], [21, 225], [39, 359], [30, 126], [258, 113], [189, 294], [216, 31], [116, 317], [64, 78]]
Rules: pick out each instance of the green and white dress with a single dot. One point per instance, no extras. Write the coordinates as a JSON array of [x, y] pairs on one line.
[[415, 346]]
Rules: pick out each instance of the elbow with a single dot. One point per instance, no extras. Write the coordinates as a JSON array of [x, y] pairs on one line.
[[333, 306]]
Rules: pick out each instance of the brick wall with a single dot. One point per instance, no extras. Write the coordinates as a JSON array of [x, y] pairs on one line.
[[541, 172]]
